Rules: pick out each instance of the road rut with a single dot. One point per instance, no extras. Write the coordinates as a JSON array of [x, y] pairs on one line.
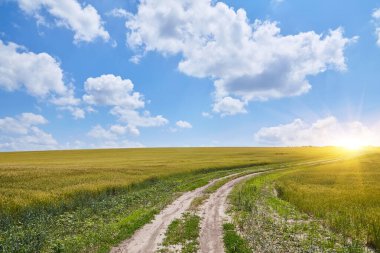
[[213, 215], [149, 237], [212, 212]]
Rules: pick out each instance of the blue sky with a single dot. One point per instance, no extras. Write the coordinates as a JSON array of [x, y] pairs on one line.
[[95, 74]]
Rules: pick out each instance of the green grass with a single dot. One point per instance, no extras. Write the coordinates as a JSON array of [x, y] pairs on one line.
[[330, 207], [183, 232], [99, 223], [345, 195], [270, 224], [198, 201], [232, 241]]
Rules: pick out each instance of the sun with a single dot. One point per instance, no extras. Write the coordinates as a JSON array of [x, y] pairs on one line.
[[352, 145]]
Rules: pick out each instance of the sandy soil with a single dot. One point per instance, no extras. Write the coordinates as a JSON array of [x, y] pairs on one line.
[[213, 214], [149, 237]]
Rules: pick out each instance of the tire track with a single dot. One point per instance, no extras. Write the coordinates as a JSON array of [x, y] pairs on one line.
[[213, 215], [150, 236], [213, 211]]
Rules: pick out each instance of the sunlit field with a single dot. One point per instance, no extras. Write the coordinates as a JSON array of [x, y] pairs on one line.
[[89, 200], [317, 207], [32, 178], [346, 195]]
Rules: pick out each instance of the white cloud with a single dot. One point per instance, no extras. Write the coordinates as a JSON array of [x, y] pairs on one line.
[[183, 124], [39, 74], [376, 14], [22, 133], [84, 20], [248, 61], [110, 90], [113, 133], [137, 119], [376, 19], [77, 113], [99, 132], [118, 129], [133, 130], [118, 13], [323, 132], [29, 119], [111, 138], [229, 106], [135, 59]]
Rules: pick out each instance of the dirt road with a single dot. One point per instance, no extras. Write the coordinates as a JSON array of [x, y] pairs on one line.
[[213, 214], [149, 237]]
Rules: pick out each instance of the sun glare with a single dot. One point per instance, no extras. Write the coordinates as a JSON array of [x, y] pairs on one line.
[[352, 145]]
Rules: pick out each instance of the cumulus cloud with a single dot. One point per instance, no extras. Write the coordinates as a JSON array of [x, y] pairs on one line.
[[99, 132], [376, 19], [112, 90], [38, 74], [29, 119], [77, 113], [229, 106], [84, 20], [137, 119], [22, 133], [323, 132], [183, 124], [112, 137], [118, 13], [126, 104], [113, 133], [247, 60]]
